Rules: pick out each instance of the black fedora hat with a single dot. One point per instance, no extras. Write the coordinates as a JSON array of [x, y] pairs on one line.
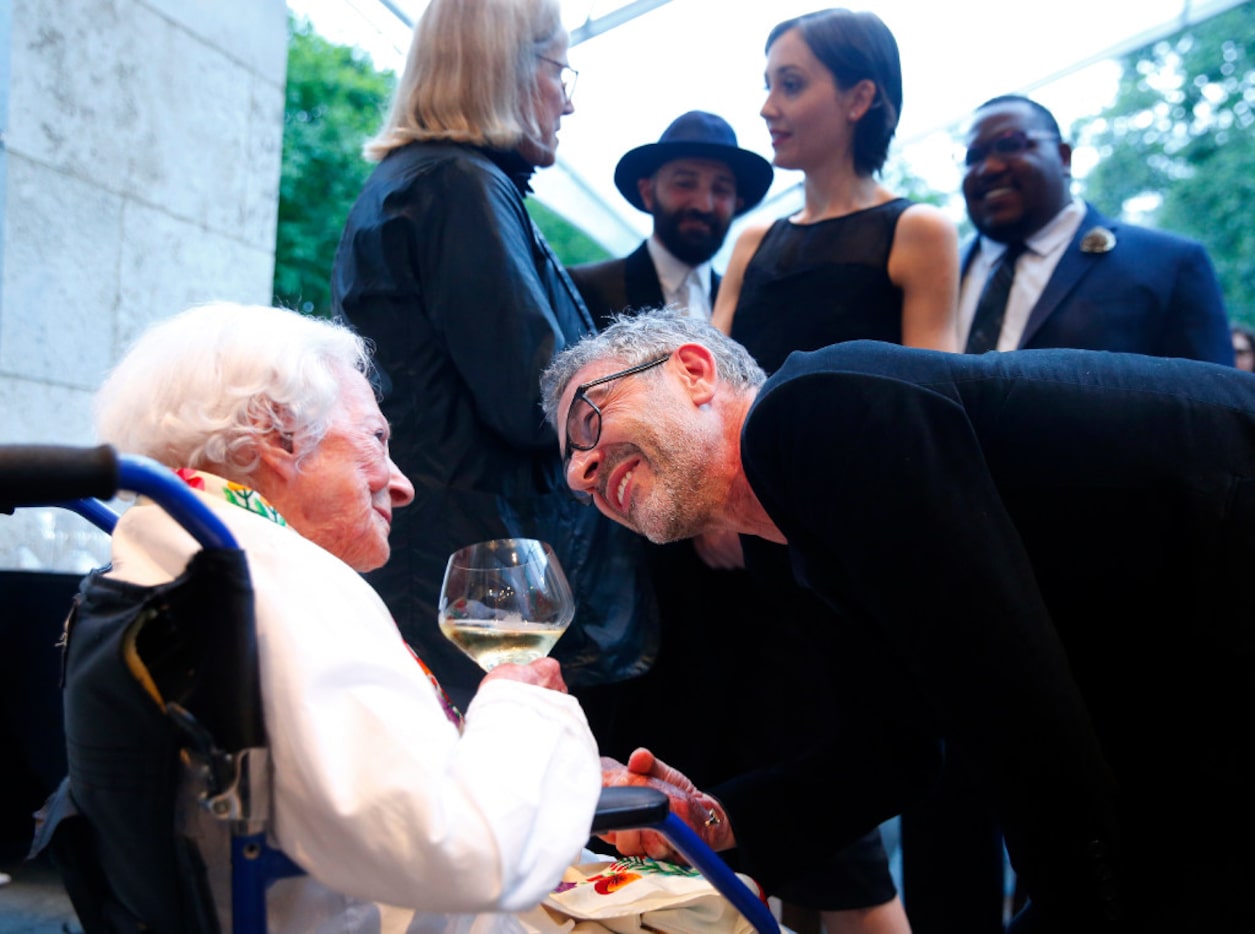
[[696, 135]]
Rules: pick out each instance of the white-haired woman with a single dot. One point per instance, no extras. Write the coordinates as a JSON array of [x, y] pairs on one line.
[[442, 268], [398, 812]]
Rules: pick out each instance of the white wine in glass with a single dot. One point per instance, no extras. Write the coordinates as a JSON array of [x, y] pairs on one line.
[[505, 600]]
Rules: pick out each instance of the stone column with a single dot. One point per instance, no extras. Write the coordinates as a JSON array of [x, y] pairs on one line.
[[139, 174]]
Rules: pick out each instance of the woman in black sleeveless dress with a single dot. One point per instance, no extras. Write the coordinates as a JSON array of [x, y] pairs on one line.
[[856, 262]]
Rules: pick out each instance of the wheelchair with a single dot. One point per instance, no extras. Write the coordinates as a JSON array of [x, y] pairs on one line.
[[117, 827]]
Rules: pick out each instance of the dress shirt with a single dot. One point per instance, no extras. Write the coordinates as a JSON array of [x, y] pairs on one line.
[[1043, 251], [683, 285]]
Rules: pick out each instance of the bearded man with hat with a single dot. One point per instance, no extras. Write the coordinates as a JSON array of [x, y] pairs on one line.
[[693, 181]]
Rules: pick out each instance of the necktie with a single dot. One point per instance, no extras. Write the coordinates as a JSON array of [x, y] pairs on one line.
[[691, 297], [992, 305]]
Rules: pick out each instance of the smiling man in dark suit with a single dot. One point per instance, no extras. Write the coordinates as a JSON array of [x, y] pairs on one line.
[[693, 181], [1081, 279], [1045, 270]]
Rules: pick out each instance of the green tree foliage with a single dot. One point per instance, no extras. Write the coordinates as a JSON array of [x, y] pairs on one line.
[[901, 179], [1179, 138], [898, 176], [569, 242], [335, 101]]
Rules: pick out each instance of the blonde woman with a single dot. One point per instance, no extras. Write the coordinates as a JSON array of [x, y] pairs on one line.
[[441, 267]]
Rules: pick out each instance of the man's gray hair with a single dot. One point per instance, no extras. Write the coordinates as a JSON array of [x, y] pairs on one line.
[[633, 339]]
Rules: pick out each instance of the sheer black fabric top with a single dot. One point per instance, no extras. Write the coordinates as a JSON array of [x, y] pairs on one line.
[[811, 285]]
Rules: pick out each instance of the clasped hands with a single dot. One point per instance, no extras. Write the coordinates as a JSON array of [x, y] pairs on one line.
[[702, 812]]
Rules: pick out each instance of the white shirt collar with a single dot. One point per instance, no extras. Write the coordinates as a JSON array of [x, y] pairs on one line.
[[1052, 236], [671, 271]]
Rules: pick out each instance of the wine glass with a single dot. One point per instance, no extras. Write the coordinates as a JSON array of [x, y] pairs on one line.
[[505, 600]]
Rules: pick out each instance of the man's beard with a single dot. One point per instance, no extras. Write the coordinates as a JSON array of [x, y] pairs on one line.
[[679, 504], [690, 247]]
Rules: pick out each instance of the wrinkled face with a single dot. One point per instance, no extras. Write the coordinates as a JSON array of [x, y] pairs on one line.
[[807, 114], [1010, 197], [649, 466], [693, 202], [551, 104], [342, 494]]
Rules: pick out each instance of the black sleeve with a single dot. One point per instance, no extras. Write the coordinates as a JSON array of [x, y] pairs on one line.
[[882, 489], [455, 244]]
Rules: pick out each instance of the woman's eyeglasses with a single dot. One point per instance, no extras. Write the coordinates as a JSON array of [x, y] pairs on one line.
[[566, 74]]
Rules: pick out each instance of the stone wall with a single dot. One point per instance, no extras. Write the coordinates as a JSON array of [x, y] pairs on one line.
[[139, 173]]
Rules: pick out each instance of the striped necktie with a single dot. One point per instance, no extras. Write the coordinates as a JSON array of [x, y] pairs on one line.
[[992, 305]]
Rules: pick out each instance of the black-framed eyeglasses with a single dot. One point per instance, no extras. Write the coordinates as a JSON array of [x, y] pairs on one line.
[[1007, 145], [583, 419], [566, 74]]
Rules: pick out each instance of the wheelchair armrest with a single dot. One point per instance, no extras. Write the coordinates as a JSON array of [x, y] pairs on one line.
[[629, 806]]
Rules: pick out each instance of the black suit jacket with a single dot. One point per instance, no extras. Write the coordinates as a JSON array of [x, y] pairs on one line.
[[1149, 293], [1042, 560], [627, 284]]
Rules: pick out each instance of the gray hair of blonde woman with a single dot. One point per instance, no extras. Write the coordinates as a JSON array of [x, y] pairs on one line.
[[201, 388], [470, 74], [633, 339]]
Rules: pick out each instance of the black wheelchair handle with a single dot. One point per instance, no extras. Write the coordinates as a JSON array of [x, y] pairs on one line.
[[42, 474]]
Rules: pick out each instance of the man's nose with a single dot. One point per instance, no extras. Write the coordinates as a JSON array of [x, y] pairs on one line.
[[581, 470], [990, 163]]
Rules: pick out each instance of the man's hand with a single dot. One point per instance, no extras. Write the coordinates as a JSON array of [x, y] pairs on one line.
[[700, 811], [544, 672]]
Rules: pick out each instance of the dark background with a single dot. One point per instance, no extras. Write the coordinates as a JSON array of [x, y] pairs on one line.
[[33, 607]]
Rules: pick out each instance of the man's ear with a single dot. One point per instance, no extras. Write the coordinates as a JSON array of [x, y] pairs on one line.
[[698, 372], [645, 188]]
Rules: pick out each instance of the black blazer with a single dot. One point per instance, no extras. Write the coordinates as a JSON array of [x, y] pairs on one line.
[[1148, 292], [1041, 559], [626, 284]]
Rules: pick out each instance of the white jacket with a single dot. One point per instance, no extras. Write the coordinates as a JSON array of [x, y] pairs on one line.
[[376, 793]]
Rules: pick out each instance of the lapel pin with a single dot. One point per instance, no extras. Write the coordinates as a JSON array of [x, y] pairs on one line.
[[1098, 240]]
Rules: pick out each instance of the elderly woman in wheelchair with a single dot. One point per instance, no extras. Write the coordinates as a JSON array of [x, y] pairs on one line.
[[404, 815]]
